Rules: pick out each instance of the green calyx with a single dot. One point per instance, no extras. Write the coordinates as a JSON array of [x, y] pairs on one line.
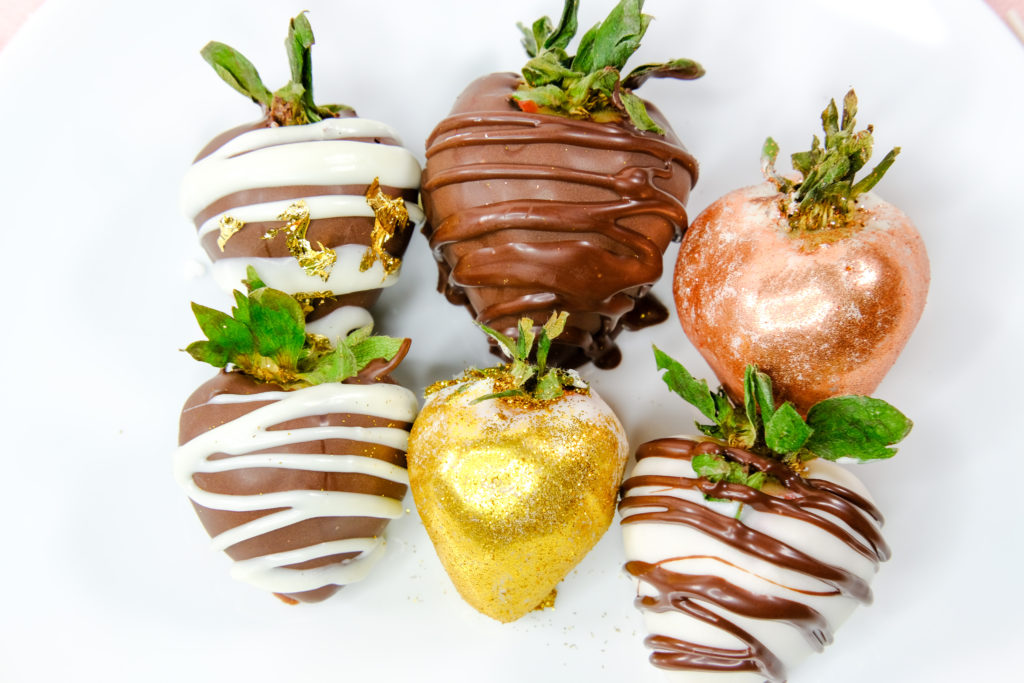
[[857, 427], [292, 104], [523, 378], [826, 196], [265, 337], [589, 85]]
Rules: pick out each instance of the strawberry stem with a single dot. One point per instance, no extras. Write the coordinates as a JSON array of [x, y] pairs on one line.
[[826, 196]]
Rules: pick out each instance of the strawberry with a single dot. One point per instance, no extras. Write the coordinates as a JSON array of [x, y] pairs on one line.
[[749, 547], [295, 458], [560, 188], [515, 471], [817, 281], [318, 199]]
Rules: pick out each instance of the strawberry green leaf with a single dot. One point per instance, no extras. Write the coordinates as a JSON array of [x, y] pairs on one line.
[[267, 340], [764, 393], [236, 71], [682, 69], [507, 344], [637, 111], [589, 84], [252, 280], [535, 36], [714, 467], [547, 68], [549, 386], [567, 27], [373, 348], [826, 196], [615, 39], [509, 393], [786, 431], [291, 104], [750, 397], [222, 330], [679, 380], [208, 352], [279, 323], [855, 427]]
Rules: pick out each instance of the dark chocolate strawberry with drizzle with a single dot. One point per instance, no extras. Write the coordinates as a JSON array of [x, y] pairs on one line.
[[560, 189], [748, 545], [295, 458], [322, 202]]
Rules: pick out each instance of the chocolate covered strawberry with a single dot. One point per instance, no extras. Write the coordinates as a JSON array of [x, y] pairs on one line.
[[294, 455], [316, 198], [515, 471], [560, 189], [750, 546], [816, 280]]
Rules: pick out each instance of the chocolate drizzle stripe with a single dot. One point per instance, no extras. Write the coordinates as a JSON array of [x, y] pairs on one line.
[[677, 591], [734, 533], [262, 195], [540, 216], [721, 593], [540, 129], [390, 142]]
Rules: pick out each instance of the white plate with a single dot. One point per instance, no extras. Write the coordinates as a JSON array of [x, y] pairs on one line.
[[107, 573]]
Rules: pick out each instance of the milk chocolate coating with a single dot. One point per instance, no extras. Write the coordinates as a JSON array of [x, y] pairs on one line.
[[199, 416], [331, 232], [528, 214]]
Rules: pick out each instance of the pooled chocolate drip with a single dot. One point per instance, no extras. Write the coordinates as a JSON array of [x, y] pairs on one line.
[[678, 592], [528, 214], [203, 412]]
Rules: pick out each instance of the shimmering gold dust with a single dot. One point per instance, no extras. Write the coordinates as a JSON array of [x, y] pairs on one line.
[[513, 495], [229, 225], [314, 261], [390, 215]]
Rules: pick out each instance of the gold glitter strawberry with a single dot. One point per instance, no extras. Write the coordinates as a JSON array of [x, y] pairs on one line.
[[514, 470]]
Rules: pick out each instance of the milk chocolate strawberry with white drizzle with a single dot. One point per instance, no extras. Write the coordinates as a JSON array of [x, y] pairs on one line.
[[560, 189], [748, 545], [294, 455], [322, 202]]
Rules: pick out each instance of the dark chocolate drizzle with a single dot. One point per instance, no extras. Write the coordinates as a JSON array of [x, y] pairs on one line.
[[677, 591], [583, 216]]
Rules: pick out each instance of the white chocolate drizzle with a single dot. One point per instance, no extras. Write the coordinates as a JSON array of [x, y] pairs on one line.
[[316, 154], [253, 432]]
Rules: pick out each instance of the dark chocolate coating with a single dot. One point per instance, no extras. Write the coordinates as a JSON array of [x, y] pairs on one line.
[[528, 214], [199, 416]]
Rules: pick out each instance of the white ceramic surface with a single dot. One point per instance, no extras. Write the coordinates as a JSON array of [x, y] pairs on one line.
[[107, 574]]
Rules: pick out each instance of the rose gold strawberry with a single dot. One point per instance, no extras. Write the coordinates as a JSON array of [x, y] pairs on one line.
[[817, 281]]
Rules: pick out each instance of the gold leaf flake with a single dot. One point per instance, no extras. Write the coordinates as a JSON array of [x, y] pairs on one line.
[[306, 299], [313, 261], [389, 216], [229, 225]]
